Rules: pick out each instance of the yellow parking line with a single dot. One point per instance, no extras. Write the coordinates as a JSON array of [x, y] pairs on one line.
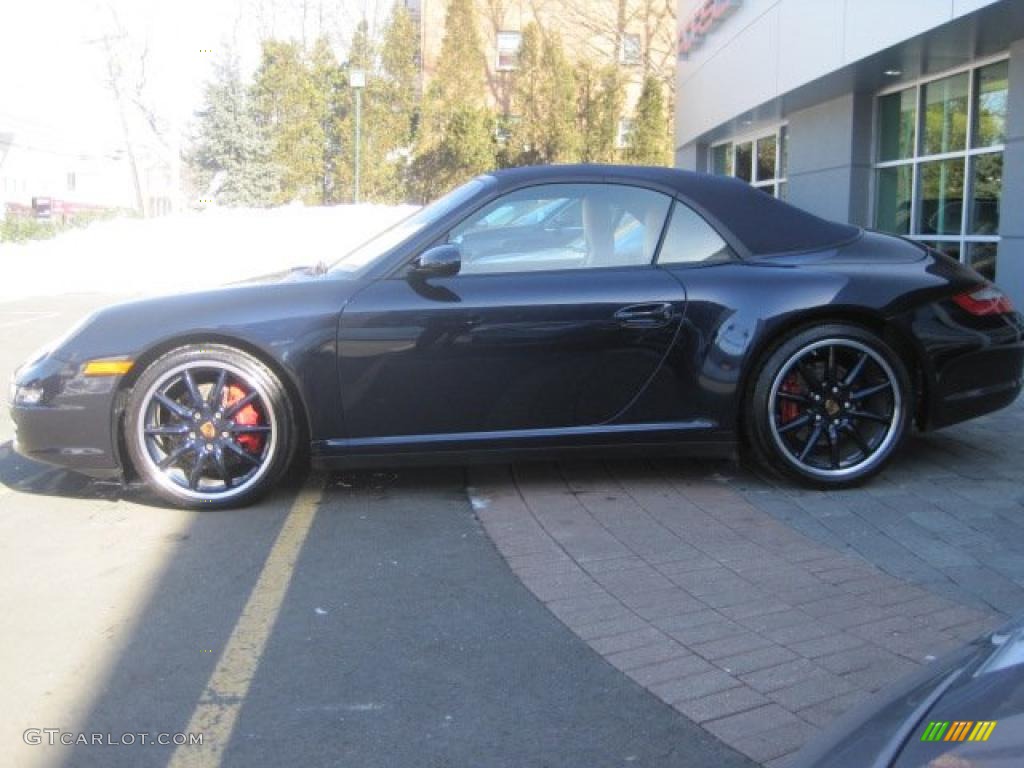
[[221, 702]]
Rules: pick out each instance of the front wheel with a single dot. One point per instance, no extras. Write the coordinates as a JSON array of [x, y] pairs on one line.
[[830, 406], [209, 426]]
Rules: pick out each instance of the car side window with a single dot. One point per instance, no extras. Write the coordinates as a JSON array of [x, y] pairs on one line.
[[563, 226], [691, 240]]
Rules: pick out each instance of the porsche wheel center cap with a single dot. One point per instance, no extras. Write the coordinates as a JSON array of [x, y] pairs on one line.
[[831, 406], [208, 430]]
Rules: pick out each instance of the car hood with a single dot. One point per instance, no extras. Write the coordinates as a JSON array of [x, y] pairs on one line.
[[886, 730], [272, 310]]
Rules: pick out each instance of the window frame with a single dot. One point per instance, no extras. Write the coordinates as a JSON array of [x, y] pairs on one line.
[[730, 252], [670, 195], [780, 132], [628, 61], [624, 132], [498, 50], [963, 238]]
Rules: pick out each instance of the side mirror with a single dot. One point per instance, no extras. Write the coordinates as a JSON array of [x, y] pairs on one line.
[[439, 261]]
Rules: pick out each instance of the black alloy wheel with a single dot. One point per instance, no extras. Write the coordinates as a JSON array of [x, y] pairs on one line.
[[209, 426], [829, 406]]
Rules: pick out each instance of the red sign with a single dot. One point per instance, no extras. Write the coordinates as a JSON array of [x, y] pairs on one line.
[[708, 14]]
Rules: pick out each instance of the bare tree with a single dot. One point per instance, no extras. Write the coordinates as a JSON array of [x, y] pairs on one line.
[[601, 26], [112, 43], [494, 13]]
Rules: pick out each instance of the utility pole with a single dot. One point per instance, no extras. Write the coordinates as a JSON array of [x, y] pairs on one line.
[[357, 79]]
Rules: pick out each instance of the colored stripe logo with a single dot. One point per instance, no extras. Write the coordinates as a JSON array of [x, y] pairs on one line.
[[958, 730]]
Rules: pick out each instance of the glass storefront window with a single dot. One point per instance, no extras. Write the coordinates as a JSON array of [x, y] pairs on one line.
[[893, 190], [744, 160], [721, 160], [944, 187], [766, 152], [945, 115], [940, 197], [783, 153], [990, 104], [897, 115], [986, 193], [759, 160]]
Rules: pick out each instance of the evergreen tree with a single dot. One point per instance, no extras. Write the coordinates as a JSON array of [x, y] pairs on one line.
[[465, 149], [456, 132], [361, 56], [292, 112], [649, 142], [396, 90], [389, 106], [461, 75], [545, 100], [527, 133], [602, 98], [328, 91], [229, 148], [561, 142]]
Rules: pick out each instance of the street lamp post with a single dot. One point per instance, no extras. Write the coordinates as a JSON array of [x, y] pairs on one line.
[[357, 79]]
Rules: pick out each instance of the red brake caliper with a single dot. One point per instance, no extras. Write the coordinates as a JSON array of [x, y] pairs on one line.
[[790, 410], [247, 416]]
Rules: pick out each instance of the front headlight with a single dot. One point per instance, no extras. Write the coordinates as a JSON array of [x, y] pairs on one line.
[[26, 395]]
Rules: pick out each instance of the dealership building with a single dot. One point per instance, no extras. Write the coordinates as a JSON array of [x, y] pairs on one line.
[[906, 116]]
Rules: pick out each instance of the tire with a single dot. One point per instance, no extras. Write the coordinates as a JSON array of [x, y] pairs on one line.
[[209, 426], [829, 406]]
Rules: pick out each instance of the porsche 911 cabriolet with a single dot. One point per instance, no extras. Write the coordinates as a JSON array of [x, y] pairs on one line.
[[537, 311]]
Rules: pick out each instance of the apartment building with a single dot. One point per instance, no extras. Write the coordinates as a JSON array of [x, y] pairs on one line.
[[639, 35]]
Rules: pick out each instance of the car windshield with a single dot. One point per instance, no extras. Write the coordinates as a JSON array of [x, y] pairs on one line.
[[373, 249]]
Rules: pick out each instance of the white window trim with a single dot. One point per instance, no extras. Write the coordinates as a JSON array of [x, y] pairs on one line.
[[498, 66], [752, 136], [623, 60], [623, 136], [963, 238]]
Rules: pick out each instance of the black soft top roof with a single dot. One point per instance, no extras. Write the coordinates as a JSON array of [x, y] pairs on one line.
[[758, 222]]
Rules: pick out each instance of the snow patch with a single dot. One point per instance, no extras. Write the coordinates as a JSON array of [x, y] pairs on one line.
[[188, 251]]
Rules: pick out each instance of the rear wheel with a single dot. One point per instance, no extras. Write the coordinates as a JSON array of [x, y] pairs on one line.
[[209, 426], [830, 406]]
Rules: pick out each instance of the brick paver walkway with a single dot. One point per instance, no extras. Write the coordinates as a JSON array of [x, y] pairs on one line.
[[760, 610]]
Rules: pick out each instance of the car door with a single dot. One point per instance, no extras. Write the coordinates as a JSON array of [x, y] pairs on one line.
[[554, 321]]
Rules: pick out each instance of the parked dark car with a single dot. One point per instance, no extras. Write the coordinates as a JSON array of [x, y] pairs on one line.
[[963, 711], [574, 309]]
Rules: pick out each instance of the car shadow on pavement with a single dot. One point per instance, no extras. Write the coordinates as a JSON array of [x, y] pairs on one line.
[[23, 475], [365, 620]]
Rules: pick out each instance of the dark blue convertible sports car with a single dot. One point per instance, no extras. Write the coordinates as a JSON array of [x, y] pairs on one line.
[[571, 308]]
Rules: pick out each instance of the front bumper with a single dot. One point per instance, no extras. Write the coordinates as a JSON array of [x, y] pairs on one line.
[[73, 423]]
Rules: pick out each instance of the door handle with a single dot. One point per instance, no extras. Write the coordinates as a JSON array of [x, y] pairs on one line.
[[645, 315]]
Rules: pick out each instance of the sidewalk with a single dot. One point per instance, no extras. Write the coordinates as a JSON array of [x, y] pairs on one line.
[[758, 610]]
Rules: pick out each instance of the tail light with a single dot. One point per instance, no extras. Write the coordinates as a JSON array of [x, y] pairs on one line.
[[987, 300]]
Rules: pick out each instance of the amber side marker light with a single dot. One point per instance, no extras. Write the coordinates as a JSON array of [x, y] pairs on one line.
[[107, 367]]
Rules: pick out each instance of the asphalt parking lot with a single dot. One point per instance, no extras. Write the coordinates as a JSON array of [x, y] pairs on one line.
[[362, 619], [608, 613]]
